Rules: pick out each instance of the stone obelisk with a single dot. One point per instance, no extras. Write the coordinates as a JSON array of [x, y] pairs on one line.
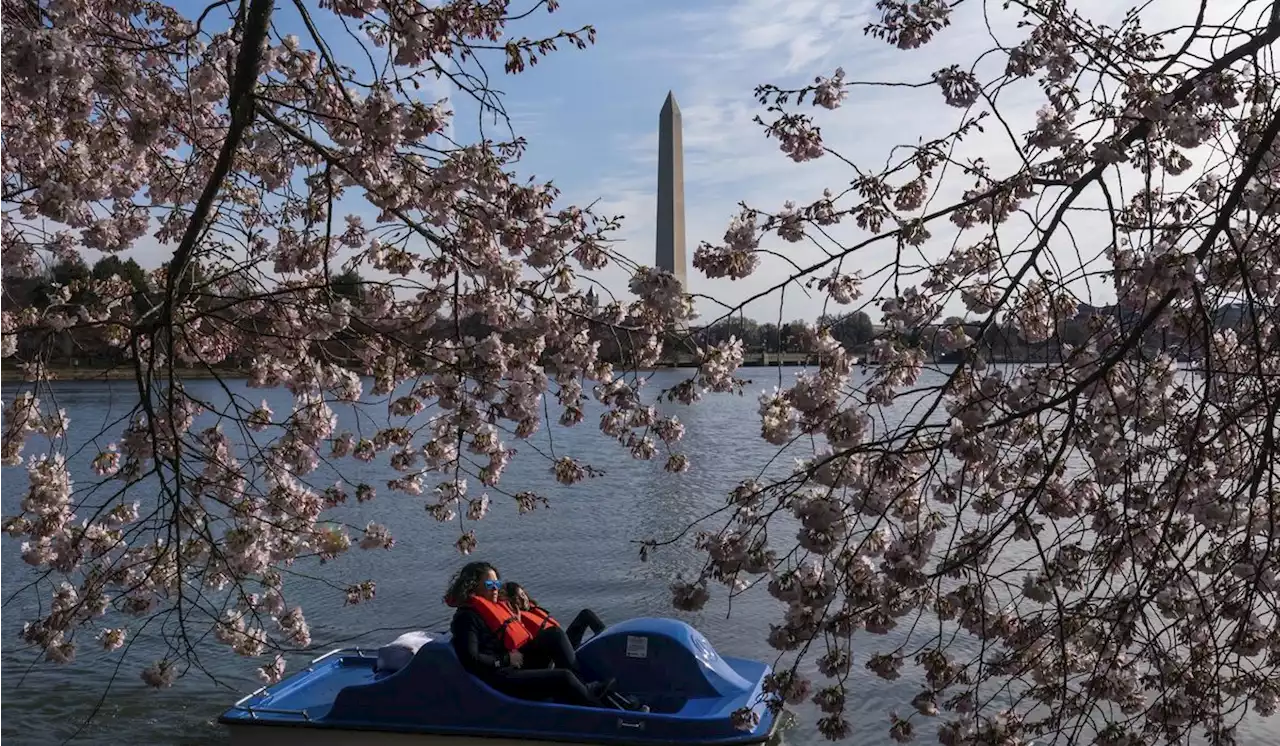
[[670, 243]]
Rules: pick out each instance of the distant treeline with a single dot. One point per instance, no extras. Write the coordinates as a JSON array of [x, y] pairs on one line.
[[86, 347], [1000, 342]]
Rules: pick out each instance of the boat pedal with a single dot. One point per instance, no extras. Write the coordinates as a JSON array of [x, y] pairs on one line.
[[623, 702]]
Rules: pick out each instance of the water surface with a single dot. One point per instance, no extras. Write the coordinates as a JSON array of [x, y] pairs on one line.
[[580, 552]]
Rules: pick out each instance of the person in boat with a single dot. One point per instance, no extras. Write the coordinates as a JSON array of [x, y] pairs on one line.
[[494, 645], [536, 618]]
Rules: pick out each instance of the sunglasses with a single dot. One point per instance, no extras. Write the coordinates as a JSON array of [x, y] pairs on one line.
[[493, 585]]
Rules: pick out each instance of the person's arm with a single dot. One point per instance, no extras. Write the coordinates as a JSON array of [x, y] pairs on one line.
[[469, 631]]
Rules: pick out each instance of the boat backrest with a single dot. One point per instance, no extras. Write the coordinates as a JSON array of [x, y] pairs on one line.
[[433, 682], [661, 656]]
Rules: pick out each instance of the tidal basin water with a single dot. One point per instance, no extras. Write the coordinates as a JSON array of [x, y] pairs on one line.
[[580, 552]]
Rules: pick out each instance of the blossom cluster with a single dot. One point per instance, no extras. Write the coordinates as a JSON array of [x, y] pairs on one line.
[[1087, 532]]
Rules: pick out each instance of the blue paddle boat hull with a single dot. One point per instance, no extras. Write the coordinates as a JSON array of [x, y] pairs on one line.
[[344, 698]]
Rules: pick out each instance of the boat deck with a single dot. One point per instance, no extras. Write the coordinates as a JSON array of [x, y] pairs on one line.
[[310, 694]]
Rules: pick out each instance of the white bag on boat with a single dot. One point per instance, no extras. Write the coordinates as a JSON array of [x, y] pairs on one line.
[[396, 655]]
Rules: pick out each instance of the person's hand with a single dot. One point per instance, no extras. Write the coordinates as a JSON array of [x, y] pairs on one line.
[[516, 658]]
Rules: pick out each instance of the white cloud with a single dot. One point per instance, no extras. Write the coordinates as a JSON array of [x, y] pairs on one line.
[[792, 36]]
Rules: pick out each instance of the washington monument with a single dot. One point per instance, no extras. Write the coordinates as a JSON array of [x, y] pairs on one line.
[[670, 243]]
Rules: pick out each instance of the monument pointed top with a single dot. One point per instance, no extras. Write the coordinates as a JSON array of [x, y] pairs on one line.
[[670, 102]]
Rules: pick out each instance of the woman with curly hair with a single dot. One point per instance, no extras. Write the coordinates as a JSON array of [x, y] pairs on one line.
[[494, 646]]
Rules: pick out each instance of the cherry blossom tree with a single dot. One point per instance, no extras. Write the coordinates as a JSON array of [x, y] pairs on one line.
[[1079, 551], [253, 155]]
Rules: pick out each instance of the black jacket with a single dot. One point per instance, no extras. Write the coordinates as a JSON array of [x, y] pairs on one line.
[[479, 650]]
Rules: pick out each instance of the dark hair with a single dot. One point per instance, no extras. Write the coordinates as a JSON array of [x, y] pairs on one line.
[[467, 582], [510, 591]]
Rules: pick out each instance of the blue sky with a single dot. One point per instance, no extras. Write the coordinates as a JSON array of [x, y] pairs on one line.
[[590, 116]]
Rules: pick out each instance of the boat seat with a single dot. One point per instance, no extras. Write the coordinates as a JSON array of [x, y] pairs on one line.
[[396, 655]]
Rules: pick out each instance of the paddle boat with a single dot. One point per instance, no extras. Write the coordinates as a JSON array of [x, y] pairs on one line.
[[418, 693]]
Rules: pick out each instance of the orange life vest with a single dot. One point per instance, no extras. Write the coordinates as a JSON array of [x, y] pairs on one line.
[[503, 621], [537, 619]]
